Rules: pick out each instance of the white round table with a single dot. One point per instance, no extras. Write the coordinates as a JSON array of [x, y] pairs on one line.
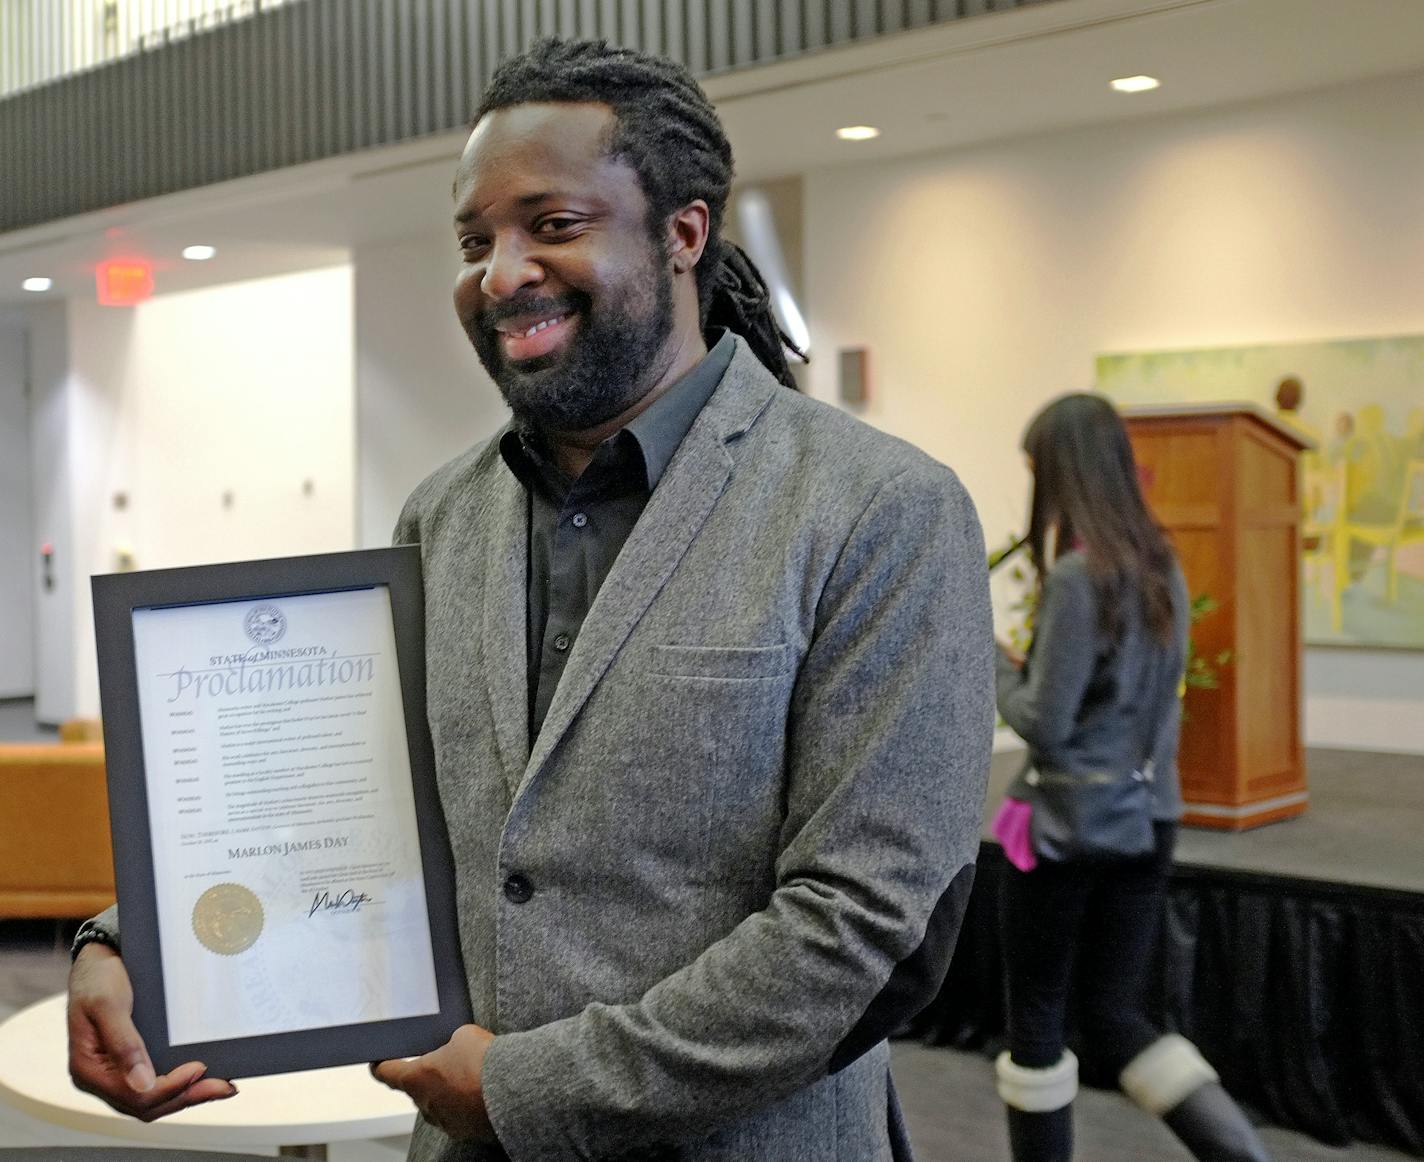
[[298, 1112]]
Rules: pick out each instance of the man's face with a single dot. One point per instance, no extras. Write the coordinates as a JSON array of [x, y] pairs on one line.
[[565, 296]]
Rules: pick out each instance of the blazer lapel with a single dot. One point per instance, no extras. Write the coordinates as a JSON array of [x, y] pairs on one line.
[[506, 602], [675, 514], [668, 526]]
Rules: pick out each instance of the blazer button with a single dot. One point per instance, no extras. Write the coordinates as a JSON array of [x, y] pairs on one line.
[[518, 889]]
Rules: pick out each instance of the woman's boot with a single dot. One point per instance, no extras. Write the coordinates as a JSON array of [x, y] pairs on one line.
[[1040, 1108], [1172, 1080]]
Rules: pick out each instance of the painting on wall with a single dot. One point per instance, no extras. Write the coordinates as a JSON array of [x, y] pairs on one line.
[[1362, 489]]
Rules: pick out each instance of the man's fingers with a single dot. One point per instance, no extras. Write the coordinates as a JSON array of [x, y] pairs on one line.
[[141, 1077], [206, 1090], [392, 1073], [107, 1056], [166, 1093], [120, 1042], [163, 1089], [177, 1080]]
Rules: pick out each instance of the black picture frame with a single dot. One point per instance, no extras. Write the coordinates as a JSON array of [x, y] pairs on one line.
[[116, 597]]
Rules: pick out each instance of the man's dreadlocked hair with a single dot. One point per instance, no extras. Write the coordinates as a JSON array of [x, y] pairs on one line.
[[669, 133]]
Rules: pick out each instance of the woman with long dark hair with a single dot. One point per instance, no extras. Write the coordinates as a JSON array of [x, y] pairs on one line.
[[1097, 702]]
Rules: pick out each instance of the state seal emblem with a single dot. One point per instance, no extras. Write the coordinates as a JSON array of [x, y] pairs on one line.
[[227, 919], [265, 624]]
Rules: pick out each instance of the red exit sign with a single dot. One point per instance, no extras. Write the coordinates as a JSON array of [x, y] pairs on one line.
[[123, 282]]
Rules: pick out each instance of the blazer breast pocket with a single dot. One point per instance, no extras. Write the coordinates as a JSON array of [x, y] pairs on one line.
[[710, 730], [720, 663]]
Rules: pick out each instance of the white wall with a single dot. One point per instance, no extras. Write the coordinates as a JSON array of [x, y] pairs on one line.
[[242, 391], [51, 496], [103, 418], [422, 396], [17, 650], [984, 282], [186, 431]]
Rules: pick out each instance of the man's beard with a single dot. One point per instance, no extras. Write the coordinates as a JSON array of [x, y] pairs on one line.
[[606, 367]]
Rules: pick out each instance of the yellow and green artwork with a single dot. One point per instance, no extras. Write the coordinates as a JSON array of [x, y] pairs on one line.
[[1361, 402]]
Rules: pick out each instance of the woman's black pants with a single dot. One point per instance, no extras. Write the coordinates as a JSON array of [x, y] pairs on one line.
[[1100, 919]]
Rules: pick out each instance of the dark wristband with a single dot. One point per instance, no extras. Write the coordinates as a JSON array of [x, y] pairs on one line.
[[91, 933]]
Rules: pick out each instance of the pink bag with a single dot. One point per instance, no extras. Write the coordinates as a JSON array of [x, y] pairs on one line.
[[1011, 827]]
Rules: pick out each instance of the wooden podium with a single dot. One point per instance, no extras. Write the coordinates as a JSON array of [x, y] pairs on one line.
[[1224, 481]]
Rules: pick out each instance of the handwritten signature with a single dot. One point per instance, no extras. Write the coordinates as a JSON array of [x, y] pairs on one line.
[[348, 901]]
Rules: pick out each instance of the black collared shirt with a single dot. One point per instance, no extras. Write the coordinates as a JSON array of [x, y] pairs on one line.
[[577, 526]]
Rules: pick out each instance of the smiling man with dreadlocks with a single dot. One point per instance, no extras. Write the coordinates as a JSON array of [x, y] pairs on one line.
[[709, 669]]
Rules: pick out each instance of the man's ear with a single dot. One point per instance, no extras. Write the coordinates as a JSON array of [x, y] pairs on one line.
[[687, 235]]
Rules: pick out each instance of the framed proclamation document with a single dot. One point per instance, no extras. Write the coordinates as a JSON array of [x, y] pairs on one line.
[[285, 885]]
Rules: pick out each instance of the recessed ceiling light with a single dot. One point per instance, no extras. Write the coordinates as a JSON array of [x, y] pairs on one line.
[[37, 284], [1137, 84], [199, 253], [857, 132]]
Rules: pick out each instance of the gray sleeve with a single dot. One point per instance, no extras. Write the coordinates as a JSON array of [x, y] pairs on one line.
[[106, 922], [1041, 701], [889, 734]]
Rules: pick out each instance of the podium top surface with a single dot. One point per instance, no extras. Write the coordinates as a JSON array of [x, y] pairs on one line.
[[1223, 410]]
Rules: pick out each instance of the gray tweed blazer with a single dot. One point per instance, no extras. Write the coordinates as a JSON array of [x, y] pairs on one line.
[[756, 797]]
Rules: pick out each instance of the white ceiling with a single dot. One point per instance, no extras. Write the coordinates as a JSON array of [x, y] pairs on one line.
[[1016, 73]]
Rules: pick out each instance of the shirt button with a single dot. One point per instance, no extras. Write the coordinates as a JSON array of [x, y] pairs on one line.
[[580, 519], [518, 889], [562, 642]]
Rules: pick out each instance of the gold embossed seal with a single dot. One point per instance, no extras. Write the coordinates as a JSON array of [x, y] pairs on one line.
[[227, 919]]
